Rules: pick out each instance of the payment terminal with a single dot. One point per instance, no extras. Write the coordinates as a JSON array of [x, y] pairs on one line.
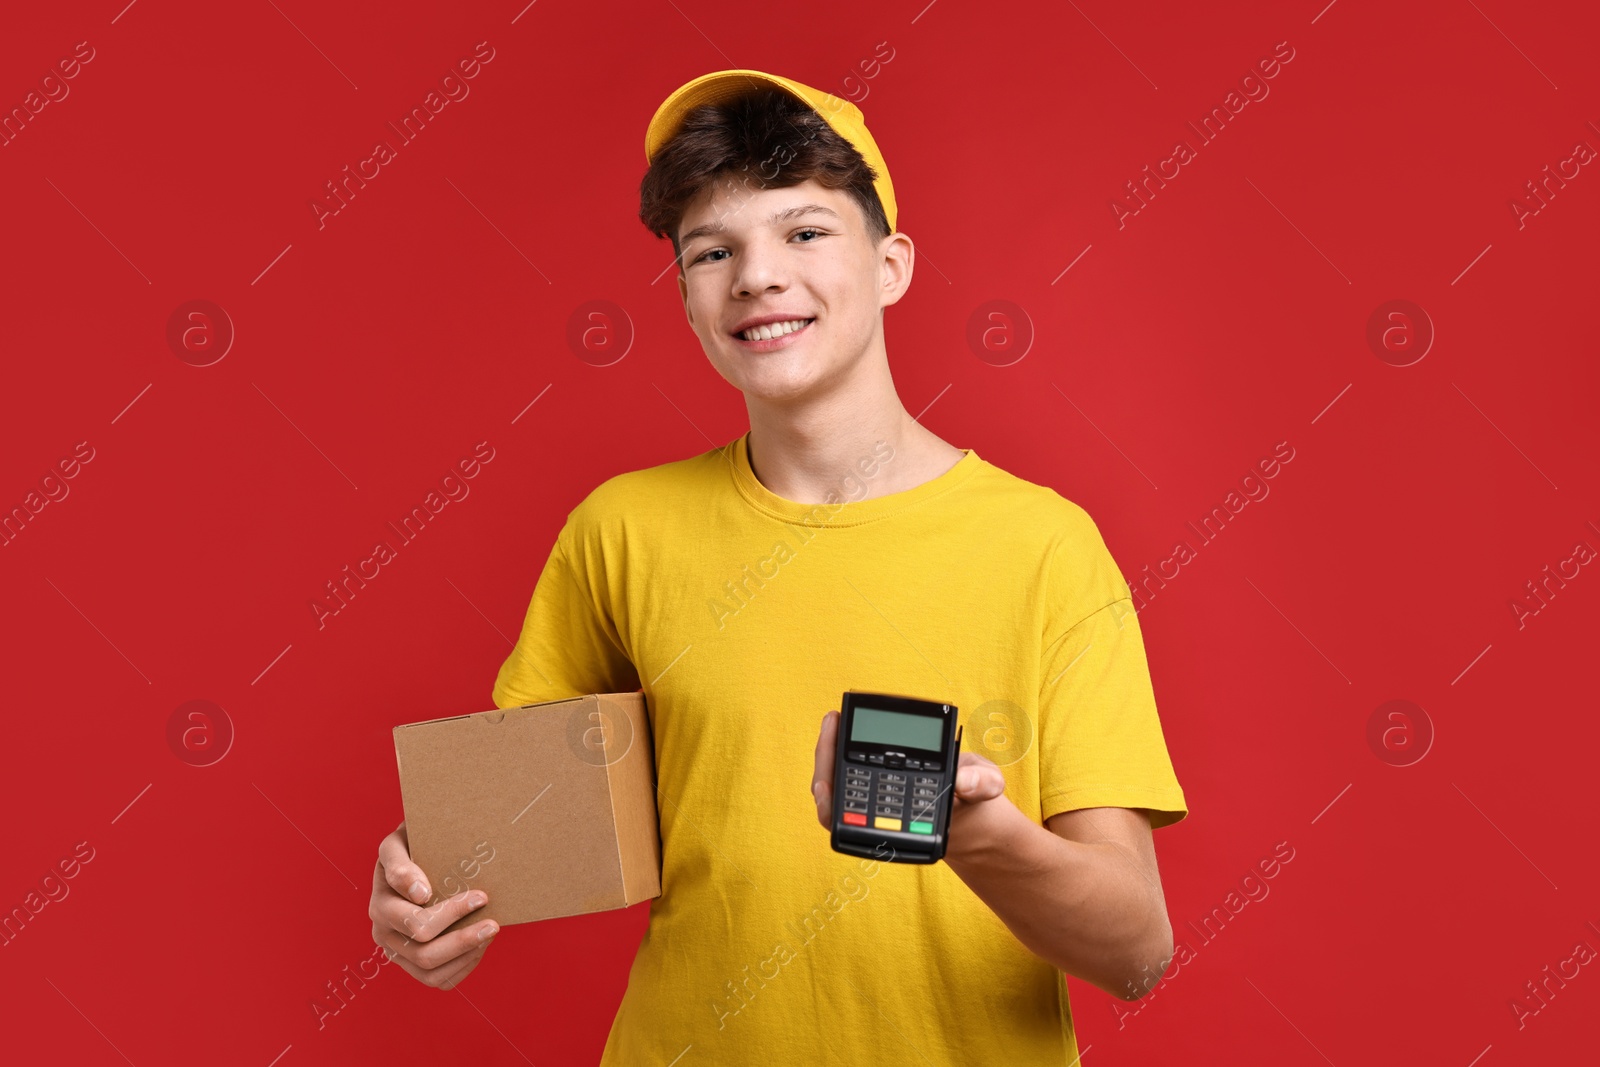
[[894, 774]]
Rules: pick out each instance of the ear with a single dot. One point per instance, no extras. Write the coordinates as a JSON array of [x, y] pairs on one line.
[[683, 291], [898, 261]]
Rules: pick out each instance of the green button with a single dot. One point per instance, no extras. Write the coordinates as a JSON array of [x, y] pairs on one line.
[[922, 827]]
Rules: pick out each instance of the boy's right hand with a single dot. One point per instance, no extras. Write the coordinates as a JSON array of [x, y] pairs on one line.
[[407, 930]]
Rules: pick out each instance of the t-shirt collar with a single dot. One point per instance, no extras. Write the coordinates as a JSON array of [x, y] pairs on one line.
[[843, 511]]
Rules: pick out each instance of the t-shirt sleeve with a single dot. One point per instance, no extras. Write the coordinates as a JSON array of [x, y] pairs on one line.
[[569, 645], [1100, 739]]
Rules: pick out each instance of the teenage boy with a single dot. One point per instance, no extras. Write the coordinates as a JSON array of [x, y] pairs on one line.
[[838, 544]]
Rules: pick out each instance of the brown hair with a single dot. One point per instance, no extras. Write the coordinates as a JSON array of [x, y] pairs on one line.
[[778, 139]]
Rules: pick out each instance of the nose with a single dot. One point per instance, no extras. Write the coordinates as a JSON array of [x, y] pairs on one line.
[[760, 270]]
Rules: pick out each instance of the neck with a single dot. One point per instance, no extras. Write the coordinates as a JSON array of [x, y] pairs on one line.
[[806, 451]]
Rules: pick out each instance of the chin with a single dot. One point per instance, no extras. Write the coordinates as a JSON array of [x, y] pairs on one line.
[[764, 385]]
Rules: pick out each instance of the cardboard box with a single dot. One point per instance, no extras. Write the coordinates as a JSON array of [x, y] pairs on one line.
[[549, 808]]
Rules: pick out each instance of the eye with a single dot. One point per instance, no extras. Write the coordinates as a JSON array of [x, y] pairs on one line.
[[702, 257]]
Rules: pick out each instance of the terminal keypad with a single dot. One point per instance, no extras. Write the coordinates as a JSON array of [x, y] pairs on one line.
[[890, 799]]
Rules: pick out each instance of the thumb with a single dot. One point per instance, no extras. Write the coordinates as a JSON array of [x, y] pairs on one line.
[[979, 779], [822, 793]]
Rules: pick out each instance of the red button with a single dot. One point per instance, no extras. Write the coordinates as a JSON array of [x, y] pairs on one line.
[[855, 818]]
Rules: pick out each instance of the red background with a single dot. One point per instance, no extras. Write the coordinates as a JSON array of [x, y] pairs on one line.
[[1229, 314]]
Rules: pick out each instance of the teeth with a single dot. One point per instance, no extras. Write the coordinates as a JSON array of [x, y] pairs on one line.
[[773, 329]]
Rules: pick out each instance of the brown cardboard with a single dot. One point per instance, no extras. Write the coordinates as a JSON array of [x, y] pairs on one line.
[[548, 808]]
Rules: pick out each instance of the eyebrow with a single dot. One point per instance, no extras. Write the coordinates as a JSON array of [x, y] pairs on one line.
[[712, 229]]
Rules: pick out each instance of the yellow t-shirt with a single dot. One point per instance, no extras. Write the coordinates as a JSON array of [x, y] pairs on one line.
[[744, 617]]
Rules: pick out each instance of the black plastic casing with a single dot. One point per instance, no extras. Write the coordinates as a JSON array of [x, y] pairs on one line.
[[896, 846]]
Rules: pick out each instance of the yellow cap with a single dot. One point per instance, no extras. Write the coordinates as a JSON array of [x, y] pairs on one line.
[[845, 118]]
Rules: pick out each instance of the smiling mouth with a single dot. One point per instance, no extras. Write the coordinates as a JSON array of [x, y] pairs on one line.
[[774, 330]]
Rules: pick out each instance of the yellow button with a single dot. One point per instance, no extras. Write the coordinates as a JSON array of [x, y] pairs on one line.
[[886, 824]]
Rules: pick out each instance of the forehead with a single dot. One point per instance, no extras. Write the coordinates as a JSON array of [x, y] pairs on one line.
[[735, 204]]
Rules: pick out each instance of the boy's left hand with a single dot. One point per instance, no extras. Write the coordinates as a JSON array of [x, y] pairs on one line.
[[978, 778]]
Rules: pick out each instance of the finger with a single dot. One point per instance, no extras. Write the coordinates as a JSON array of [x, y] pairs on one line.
[[431, 955], [827, 734], [447, 976], [822, 771], [426, 923], [433, 920], [978, 778], [451, 976], [403, 876]]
